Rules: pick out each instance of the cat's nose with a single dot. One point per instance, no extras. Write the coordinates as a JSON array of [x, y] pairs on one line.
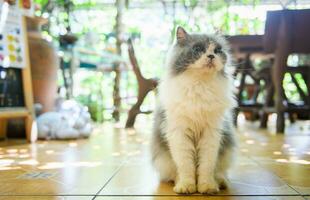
[[211, 56]]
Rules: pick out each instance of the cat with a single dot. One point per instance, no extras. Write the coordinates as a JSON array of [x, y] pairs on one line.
[[193, 138]]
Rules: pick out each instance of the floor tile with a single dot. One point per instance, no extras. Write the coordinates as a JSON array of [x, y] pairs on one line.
[[67, 178], [292, 171], [62, 181], [251, 179], [137, 177], [267, 164]]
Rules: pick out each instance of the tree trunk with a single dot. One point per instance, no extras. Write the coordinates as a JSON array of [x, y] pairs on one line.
[[118, 28]]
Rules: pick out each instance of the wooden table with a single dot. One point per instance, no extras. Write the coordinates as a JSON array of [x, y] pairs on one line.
[[286, 32]]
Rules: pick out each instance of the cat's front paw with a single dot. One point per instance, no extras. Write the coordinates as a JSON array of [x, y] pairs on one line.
[[185, 187], [210, 187]]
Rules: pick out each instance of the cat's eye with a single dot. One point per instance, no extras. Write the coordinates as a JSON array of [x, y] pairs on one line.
[[198, 48], [218, 50]]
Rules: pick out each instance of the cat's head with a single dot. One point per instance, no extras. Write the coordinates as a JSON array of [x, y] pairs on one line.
[[200, 53]]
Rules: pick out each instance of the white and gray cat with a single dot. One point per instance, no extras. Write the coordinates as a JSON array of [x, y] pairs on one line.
[[193, 140]]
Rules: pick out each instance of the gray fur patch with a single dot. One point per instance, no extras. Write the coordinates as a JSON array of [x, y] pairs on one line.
[[159, 142], [228, 139], [190, 50]]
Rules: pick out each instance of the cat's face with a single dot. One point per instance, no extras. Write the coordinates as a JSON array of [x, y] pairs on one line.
[[198, 52]]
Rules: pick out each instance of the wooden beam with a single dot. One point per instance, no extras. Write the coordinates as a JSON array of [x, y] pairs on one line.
[[13, 112]]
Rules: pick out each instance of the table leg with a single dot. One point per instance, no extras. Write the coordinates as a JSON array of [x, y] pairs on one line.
[[268, 103], [3, 128], [278, 71]]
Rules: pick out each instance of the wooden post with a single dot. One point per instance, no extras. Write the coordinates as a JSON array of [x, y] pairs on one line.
[[278, 70], [119, 25], [120, 4], [116, 92], [31, 128]]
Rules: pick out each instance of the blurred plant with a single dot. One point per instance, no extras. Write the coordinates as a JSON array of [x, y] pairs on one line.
[[59, 13], [92, 96]]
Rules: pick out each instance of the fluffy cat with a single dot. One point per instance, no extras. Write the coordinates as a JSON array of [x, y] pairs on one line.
[[193, 138]]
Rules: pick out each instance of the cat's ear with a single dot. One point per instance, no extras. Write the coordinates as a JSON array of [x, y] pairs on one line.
[[181, 35], [219, 32]]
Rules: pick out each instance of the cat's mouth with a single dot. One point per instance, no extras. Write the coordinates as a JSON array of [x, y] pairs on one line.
[[209, 64]]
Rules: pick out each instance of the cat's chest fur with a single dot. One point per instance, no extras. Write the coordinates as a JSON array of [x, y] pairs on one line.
[[199, 101]]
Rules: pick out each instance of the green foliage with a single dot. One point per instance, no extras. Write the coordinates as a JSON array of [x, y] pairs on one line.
[[291, 89], [92, 97], [41, 2], [190, 3]]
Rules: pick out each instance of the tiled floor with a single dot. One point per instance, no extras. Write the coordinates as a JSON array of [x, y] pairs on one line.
[[114, 164]]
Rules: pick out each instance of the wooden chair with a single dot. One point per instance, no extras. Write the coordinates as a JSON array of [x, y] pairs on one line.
[[243, 47]]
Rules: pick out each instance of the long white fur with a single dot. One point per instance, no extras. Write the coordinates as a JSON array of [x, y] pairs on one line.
[[195, 103]]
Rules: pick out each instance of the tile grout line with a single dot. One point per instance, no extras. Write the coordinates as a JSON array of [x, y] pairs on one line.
[[197, 196], [45, 195], [108, 181], [259, 164], [163, 195]]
